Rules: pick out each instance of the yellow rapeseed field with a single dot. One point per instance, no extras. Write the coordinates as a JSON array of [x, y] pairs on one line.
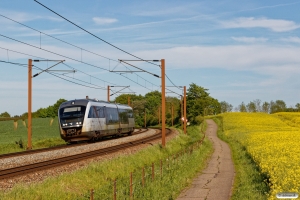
[[273, 141]]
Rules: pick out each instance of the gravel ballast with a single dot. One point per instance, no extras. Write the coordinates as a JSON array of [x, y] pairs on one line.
[[39, 176]]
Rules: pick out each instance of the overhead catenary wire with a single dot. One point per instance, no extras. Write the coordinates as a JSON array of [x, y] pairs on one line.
[[78, 48], [54, 74], [93, 34], [62, 63], [72, 44], [66, 57]]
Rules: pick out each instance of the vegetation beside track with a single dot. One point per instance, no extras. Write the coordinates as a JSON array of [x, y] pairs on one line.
[[177, 173], [265, 152], [13, 134]]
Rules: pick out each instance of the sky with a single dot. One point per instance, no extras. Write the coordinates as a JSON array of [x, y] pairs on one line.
[[239, 50]]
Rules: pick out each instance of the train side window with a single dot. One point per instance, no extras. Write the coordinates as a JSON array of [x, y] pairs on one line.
[[123, 116], [100, 112], [130, 114], [112, 116], [96, 112], [92, 112]]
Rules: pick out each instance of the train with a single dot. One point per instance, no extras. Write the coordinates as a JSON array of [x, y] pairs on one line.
[[92, 119]]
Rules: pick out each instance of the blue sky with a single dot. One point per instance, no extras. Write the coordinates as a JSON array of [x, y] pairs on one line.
[[239, 50]]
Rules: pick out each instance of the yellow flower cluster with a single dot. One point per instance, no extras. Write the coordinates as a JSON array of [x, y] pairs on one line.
[[273, 141]]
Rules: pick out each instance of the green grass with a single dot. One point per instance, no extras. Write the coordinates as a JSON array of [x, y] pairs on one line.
[[249, 182], [178, 170], [43, 135]]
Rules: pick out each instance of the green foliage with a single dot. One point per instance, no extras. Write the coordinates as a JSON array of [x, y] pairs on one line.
[[5, 114], [277, 106], [50, 111], [200, 103], [225, 107], [199, 119], [100, 175], [151, 103], [242, 107]]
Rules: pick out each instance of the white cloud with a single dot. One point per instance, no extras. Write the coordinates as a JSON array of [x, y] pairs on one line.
[[276, 25], [249, 39], [102, 21], [24, 17], [261, 59], [291, 39]]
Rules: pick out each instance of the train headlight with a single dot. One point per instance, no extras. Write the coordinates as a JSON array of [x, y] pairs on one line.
[[79, 122]]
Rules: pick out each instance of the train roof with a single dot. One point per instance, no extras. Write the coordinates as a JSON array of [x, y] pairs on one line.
[[84, 102]]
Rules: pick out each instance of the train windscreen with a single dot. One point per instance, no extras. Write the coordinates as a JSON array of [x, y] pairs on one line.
[[71, 116]]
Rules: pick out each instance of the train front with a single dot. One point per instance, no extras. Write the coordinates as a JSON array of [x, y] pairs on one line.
[[71, 118]]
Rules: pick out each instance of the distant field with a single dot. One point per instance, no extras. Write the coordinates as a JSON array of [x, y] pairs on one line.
[[43, 134], [272, 141]]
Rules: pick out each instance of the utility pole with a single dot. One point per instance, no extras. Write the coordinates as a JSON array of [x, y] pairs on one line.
[[29, 125], [128, 100], [163, 103], [29, 121], [181, 109], [108, 90]]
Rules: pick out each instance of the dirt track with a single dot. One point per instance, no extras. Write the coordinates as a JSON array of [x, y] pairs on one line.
[[215, 181]]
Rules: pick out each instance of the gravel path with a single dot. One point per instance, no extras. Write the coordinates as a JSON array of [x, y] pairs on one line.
[[39, 176], [214, 182]]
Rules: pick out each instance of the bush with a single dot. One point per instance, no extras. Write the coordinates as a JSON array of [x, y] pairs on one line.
[[199, 119]]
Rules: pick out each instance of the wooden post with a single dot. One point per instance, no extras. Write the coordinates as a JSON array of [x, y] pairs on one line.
[[163, 103], [92, 194], [108, 92], [131, 189], [181, 108], [29, 125]]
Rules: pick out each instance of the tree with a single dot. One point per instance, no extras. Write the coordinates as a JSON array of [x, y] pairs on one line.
[[50, 111], [251, 107], [242, 107], [277, 106], [257, 103], [199, 103], [297, 107], [225, 107], [5, 114], [266, 107]]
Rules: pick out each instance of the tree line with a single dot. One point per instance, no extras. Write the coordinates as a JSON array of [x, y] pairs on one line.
[[258, 106], [199, 103]]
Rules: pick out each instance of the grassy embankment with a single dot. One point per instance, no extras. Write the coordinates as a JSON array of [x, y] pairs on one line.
[[177, 169], [13, 135], [265, 152]]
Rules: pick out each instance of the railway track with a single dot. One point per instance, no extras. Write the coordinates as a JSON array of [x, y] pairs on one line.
[[29, 152], [22, 170]]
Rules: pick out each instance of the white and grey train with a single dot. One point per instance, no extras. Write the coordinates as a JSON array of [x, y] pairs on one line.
[[87, 119]]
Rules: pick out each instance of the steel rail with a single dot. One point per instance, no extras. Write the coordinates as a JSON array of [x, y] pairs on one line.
[[64, 146], [26, 169]]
